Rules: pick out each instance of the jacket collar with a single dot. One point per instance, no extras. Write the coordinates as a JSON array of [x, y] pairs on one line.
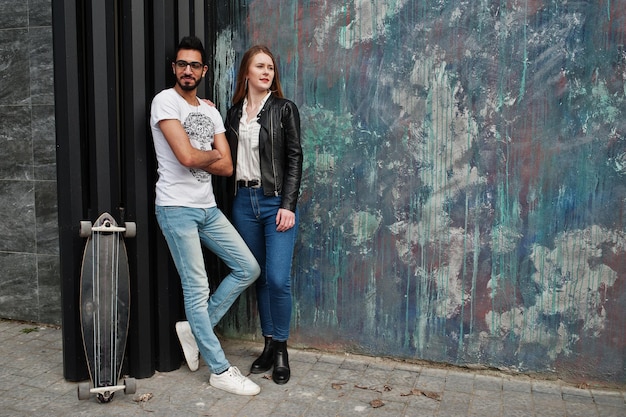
[[264, 113]]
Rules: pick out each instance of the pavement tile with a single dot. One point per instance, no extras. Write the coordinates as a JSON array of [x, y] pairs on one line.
[[324, 407], [378, 373], [319, 378], [550, 412], [514, 385], [458, 403], [423, 403], [541, 399], [513, 412], [576, 398], [324, 366], [454, 412], [581, 410], [365, 395], [420, 413], [606, 411], [487, 407], [429, 383], [547, 387], [611, 398], [310, 357], [434, 372], [347, 376], [406, 366], [460, 382], [353, 364], [389, 407], [488, 382], [401, 377], [285, 409], [575, 392]]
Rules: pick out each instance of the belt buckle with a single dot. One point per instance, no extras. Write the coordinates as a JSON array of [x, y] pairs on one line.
[[249, 183]]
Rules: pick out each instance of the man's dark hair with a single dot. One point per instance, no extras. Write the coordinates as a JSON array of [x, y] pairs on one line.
[[194, 44]]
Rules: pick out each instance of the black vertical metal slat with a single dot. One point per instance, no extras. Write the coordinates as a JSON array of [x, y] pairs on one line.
[[198, 17], [69, 125], [183, 13], [168, 294], [209, 30], [137, 183], [101, 97]]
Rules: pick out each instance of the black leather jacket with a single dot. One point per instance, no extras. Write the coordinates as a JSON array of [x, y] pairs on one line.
[[279, 147]]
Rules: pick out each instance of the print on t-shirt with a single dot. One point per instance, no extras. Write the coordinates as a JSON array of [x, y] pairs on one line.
[[200, 129]]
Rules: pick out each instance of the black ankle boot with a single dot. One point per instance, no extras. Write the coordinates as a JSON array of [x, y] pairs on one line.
[[281, 373], [266, 360]]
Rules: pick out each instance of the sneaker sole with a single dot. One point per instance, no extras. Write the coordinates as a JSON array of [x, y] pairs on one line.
[[251, 393]]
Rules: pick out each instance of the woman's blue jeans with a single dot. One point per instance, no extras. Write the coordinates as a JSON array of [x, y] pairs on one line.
[[254, 216], [185, 230]]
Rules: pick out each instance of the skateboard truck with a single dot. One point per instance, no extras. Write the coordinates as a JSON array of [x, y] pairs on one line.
[[105, 394], [86, 228]]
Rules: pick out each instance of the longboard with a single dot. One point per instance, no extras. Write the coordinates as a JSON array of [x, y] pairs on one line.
[[104, 306]]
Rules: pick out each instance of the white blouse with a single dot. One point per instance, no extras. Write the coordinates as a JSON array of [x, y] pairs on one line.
[[248, 159]]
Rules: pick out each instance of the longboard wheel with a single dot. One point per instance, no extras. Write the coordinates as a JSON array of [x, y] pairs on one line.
[[131, 386], [83, 391], [131, 229], [85, 228]]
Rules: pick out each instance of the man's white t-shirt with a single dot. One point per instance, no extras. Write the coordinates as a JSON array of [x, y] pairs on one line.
[[178, 185]]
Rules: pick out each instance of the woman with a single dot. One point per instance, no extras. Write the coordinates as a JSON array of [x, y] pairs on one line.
[[263, 131]]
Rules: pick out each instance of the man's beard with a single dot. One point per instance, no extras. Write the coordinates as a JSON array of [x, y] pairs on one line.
[[188, 87]]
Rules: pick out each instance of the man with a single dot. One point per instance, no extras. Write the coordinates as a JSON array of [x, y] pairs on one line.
[[191, 146]]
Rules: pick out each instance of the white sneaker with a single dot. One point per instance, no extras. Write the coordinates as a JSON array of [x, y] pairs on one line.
[[189, 345], [232, 381]]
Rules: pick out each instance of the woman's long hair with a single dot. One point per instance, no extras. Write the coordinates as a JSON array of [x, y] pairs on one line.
[[241, 87]]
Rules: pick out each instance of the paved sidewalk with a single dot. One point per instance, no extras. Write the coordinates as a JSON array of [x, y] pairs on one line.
[[322, 385]]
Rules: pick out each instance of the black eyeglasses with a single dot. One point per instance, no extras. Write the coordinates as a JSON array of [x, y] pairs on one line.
[[195, 65]]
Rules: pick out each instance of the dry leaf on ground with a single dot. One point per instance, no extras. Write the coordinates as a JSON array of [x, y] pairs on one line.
[[430, 394], [144, 397], [377, 403]]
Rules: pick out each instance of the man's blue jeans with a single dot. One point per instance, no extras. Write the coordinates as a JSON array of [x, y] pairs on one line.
[[254, 216], [185, 230]]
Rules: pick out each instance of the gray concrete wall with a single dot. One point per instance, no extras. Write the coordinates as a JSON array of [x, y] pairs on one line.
[[29, 249]]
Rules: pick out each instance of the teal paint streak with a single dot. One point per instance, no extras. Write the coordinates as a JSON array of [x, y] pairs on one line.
[[464, 274], [522, 87], [477, 249]]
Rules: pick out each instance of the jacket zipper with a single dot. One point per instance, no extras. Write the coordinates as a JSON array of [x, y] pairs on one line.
[[236, 131], [273, 159]]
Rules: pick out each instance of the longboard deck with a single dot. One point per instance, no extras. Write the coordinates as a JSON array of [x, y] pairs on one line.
[[104, 306]]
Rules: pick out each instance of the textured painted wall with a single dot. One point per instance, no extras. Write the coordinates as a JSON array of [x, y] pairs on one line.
[[465, 177]]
